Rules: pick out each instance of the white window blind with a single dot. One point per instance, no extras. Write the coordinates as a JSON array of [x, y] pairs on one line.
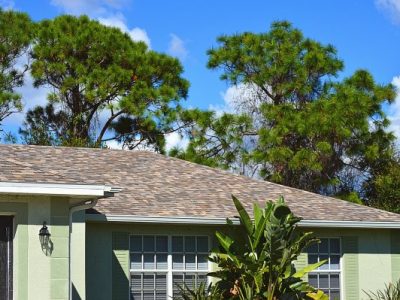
[[161, 263], [327, 277]]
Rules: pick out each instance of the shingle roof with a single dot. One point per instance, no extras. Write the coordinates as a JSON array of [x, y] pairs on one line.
[[156, 185]]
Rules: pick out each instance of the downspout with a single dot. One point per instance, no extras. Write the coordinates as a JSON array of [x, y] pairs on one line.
[[77, 207]]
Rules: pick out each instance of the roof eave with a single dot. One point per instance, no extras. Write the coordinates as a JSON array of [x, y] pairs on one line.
[[350, 224], [51, 189], [222, 221]]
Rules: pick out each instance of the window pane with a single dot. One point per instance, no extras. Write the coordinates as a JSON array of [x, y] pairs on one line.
[[136, 282], [148, 263], [335, 295], [335, 262], [148, 243], [151, 253], [190, 244], [329, 280], [162, 261], [177, 244], [190, 261], [323, 246], [325, 266], [202, 244], [136, 243], [323, 281], [335, 282], [148, 295], [190, 281], [312, 248], [177, 280], [202, 262], [136, 261], [177, 261], [334, 246], [162, 244], [161, 295], [313, 280], [161, 283], [148, 282], [312, 259], [202, 278], [136, 296]]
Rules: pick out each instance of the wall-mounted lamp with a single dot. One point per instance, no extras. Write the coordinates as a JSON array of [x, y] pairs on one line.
[[44, 234]]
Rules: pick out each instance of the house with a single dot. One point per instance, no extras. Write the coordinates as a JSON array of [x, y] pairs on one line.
[[130, 224]]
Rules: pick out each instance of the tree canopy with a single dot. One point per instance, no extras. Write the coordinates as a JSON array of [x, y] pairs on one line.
[[104, 87], [300, 126], [383, 188], [16, 30], [297, 121]]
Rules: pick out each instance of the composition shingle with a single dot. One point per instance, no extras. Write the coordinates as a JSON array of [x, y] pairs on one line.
[[154, 185]]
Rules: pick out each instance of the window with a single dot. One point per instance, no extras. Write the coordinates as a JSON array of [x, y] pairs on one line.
[[327, 276], [159, 264]]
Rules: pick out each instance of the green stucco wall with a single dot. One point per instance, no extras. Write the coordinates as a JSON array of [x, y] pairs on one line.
[[59, 222], [20, 271], [101, 257], [42, 272], [370, 258], [78, 261]]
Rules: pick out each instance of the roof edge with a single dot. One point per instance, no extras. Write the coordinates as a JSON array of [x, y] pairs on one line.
[[222, 221], [350, 224], [52, 189]]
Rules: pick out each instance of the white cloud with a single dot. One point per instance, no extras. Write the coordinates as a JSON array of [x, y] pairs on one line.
[[392, 7], [177, 47], [7, 4], [118, 21], [174, 139], [107, 12], [89, 7], [238, 98], [139, 34], [31, 97], [394, 110]]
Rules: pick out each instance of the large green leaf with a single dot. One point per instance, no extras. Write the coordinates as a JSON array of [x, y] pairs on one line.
[[244, 216], [258, 214], [309, 269], [224, 240]]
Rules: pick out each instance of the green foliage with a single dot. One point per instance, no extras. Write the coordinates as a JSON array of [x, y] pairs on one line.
[[285, 66], [16, 31], [221, 135], [390, 292], [202, 292], [256, 259], [384, 187], [300, 126], [105, 85]]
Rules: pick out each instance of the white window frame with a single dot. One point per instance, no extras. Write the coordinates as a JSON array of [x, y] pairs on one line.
[[169, 271], [329, 271]]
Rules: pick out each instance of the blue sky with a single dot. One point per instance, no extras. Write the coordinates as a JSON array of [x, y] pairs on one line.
[[365, 32]]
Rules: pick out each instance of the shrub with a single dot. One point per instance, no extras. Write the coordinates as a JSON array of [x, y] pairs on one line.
[[390, 292], [256, 259]]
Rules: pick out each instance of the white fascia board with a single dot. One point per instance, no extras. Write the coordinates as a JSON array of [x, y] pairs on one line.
[[158, 220], [77, 190], [222, 221], [350, 224]]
